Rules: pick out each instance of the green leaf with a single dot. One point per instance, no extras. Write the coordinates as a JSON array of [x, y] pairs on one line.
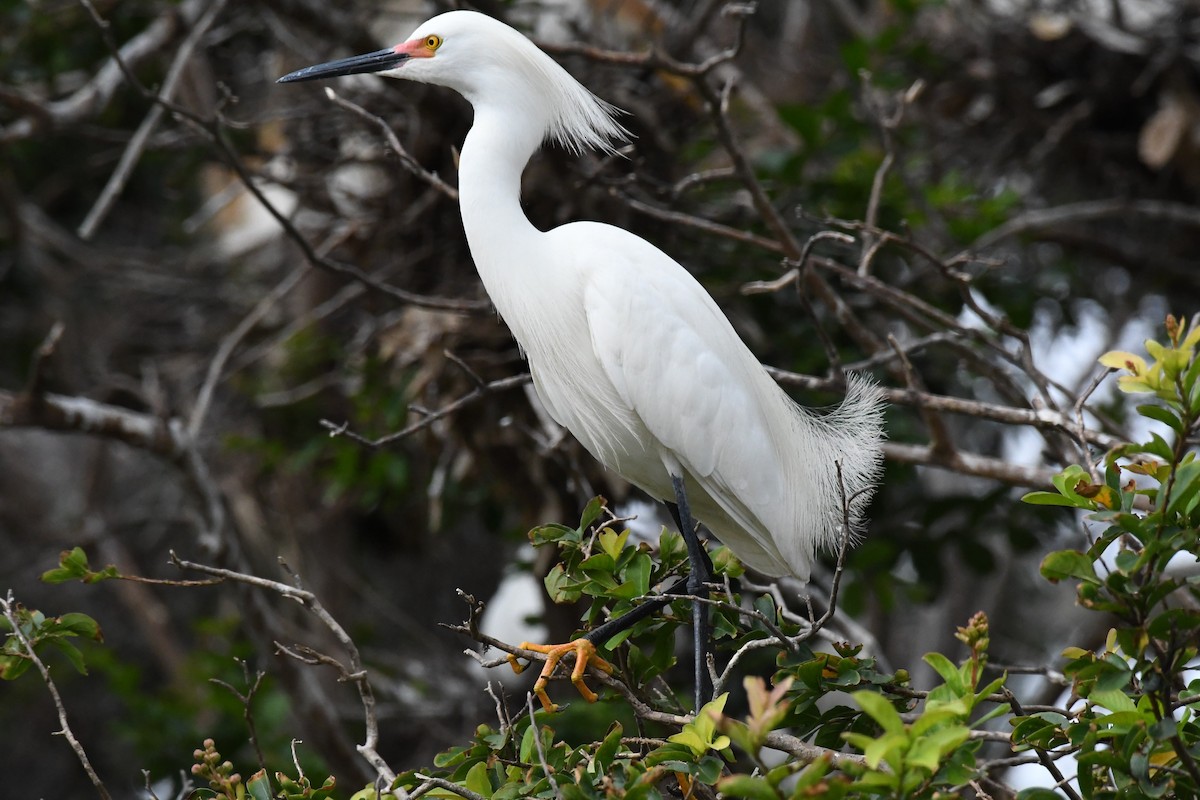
[[1038, 794], [880, 710], [477, 780], [560, 587], [259, 786], [672, 549], [527, 753], [1163, 415], [451, 756], [637, 578], [1048, 499], [607, 749], [591, 511], [599, 566], [551, 533], [73, 566], [948, 671], [699, 734], [1165, 728], [1043, 729], [710, 766], [886, 748], [72, 653], [1112, 699], [933, 717], [13, 666], [741, 735], [726, 563], [1063, 564], [1158, 446], [80, 625], [745, 786], [929, 751], [1187, 483]]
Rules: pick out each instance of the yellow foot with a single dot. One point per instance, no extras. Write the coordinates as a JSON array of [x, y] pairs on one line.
[[585, 653]]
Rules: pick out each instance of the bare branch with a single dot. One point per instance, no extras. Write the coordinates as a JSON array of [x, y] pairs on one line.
[[355, 673], [164, 438], [970, 464], [475, 394], [1032, 222]]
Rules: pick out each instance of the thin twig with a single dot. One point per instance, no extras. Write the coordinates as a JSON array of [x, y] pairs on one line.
[[137, 143], [1033, 222], [541, 748], [475, 394], [1043, 757], [35, 385], [449, 786], [700, 223], [1080, 431], [230, 342], [840, 565], [940, 439], [355, 673], [409, 163], [247, 701]]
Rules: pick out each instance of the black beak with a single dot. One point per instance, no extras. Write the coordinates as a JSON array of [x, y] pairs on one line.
[[354, 65]]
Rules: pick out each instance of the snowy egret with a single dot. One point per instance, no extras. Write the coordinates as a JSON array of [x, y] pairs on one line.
[[626, 349]]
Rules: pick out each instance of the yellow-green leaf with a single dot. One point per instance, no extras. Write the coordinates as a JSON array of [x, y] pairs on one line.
[[1119, 359]]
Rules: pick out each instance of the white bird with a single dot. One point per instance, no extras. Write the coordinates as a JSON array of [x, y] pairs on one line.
[[626, 349]]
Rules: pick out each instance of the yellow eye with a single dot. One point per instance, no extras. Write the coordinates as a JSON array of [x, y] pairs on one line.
[[433, 41]]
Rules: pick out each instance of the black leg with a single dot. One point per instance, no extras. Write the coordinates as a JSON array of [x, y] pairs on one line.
[[697, 581], [693, 584], [602, 633]]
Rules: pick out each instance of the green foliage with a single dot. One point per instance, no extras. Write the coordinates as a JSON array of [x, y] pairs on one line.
[[909, 759], [933, 751], [40, 633], [597, 562], [700, 735], [1137, 735], [73, 566]]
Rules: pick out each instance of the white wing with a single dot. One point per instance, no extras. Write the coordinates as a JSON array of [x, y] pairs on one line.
[[703, 399]]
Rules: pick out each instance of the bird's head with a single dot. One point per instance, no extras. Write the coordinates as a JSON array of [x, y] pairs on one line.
[[493, 66]]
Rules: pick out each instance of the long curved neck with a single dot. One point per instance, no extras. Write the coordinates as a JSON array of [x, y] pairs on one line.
[[499, 234]]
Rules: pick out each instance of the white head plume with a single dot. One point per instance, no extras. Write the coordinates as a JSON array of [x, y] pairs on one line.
[[489, 63]]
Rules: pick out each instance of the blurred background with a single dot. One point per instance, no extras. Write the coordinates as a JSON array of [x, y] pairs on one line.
[[1035, 165]]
